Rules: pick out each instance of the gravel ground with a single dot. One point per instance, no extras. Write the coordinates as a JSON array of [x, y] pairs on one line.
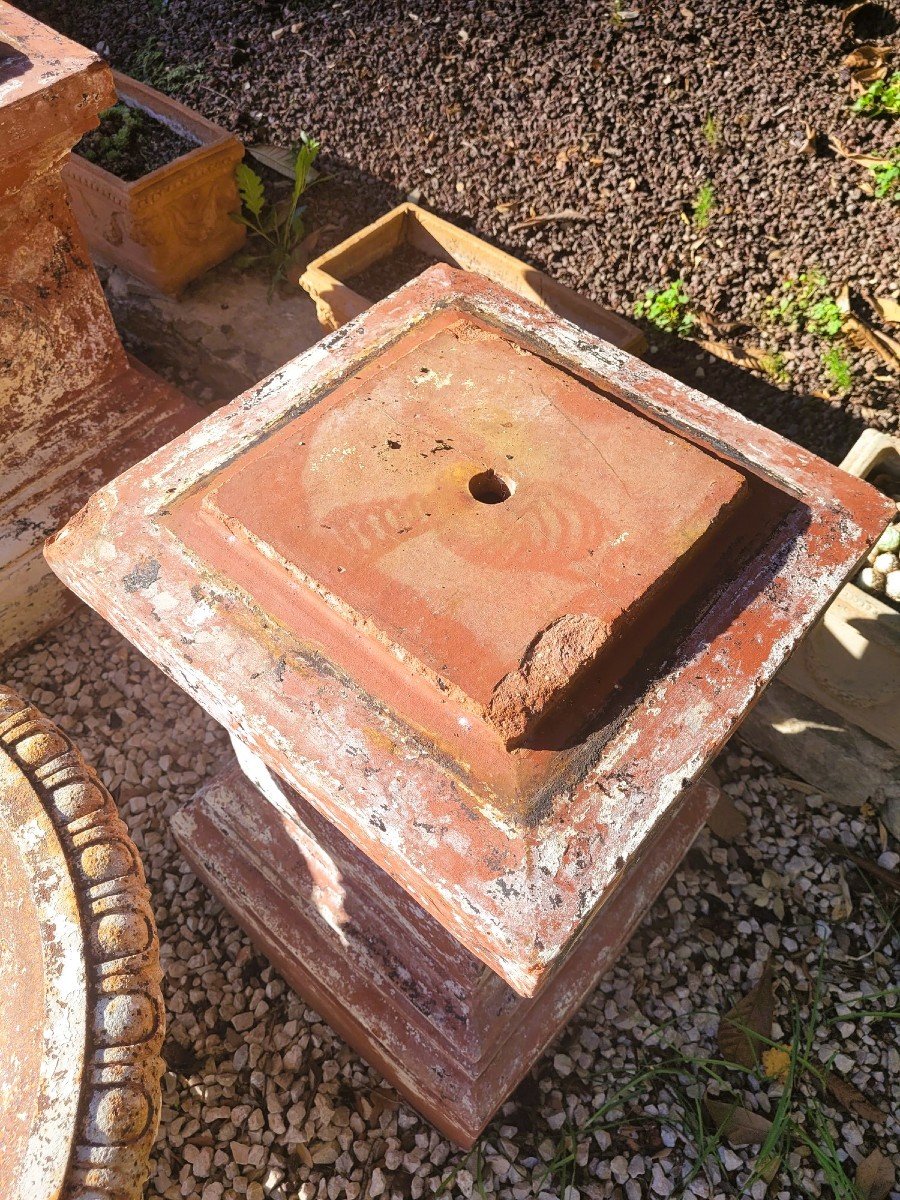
[[262, 1100], [492, 113]]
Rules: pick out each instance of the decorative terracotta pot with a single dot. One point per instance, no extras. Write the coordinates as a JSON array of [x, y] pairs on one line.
[[850, 662], [74, 410], [325, 279], [478, 595], [173, 224], [81, 1014]]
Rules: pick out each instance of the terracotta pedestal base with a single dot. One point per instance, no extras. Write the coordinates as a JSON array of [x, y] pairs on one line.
[[447, 1032], [89, 440], [74, 410]]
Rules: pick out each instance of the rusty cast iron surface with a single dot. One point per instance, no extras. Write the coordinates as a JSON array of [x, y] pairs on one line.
[[488, 591], [81, 1016]]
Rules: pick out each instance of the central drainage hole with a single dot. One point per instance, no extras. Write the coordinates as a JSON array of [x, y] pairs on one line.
[[490, 488]]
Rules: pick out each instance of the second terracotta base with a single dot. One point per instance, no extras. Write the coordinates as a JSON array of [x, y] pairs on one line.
[[93, 436], [447, 1032]]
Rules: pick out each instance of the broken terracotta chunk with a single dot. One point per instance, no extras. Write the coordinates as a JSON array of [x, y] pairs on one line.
[[555, 658]]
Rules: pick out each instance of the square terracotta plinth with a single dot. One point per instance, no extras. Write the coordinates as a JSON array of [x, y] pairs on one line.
[[487, 593]]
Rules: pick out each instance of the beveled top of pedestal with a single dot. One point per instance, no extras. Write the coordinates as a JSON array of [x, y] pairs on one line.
[[498, 702], [475, 512]]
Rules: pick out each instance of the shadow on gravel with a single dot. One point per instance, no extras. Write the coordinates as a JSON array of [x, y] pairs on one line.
[[822, 426], [351, 199]]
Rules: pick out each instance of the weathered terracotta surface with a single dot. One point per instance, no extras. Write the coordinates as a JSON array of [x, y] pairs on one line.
[[81, 1015], [74, 410], [850, 663], [173, 224], [446, 1031], [325, 277], [512, 850]]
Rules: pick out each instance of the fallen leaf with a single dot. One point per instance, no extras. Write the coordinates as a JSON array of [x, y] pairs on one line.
[[726, 821], [810, 145], [770, 1169], [564, 214], [711, 326], [866, 338], [748, 357], [776, 1062], [862, 160], [868, 64], [875, 1177], [798, 785], [278, 158], [890, 879], [867, 55], [886, 307], [853, 1099], [843, 906], [739, 1125], [742, 1030]]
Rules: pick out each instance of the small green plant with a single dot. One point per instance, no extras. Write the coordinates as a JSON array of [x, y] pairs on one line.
[[279, 226], [668, 309], [887, 177], [703, 204], [111, 145], [881, 98], [805, 303], [837, 368], [616, 18], [773, 365], [710, 130], [149, 66]]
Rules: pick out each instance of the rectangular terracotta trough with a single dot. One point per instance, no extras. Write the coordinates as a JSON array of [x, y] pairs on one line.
[[330, 278], [478, 595]]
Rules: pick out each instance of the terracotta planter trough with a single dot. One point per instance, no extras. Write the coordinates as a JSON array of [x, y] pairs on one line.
[[850, 663], [172, 224], [335, 278], [833, 714], [478, 595], [74, 410], [81, 1015]]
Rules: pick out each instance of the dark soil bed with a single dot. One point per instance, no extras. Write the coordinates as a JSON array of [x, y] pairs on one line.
[[385, 276], [130, 143], [491, 114]]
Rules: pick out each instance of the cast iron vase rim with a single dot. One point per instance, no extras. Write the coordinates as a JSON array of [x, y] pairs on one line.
[[94, 1117]]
